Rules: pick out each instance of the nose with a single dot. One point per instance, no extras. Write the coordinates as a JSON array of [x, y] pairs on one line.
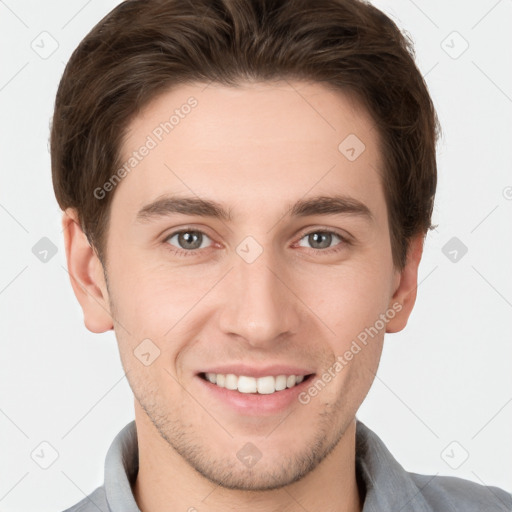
[[259, 306]]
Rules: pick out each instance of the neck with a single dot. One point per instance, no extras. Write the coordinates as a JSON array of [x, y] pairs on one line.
[[165, 481]]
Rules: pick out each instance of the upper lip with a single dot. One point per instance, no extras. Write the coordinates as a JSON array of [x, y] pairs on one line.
[[254, 371]]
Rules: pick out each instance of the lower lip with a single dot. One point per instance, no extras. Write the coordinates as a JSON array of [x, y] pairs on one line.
[[256, 404]]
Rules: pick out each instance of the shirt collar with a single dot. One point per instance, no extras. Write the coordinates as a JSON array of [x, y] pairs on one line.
[[387, 485], [121, 468]]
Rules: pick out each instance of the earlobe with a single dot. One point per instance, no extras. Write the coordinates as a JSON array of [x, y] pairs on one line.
[[86, 275], [404, 296]]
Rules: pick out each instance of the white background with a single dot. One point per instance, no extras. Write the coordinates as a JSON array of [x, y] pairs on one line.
[[447, 377]]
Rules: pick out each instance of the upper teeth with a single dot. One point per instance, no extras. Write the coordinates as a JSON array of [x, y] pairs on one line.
[[263, 385]]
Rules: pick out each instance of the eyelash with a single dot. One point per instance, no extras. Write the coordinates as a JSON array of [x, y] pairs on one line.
[[193, 252]]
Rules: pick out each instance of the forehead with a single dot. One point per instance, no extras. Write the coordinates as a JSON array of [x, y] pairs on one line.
[[274, 142]]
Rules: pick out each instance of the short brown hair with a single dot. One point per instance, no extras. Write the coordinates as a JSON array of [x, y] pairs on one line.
[[144, 47]]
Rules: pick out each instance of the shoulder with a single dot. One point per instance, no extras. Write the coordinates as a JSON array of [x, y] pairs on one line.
[[390, 487], [95, 502], [456, 494]]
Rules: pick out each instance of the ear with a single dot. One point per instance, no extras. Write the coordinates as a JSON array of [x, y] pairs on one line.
[[406, 285], [86, 275]]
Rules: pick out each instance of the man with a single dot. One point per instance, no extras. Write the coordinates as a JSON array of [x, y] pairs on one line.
[[247, 185]]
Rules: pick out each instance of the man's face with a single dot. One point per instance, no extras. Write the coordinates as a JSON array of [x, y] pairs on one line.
[[266, 289]]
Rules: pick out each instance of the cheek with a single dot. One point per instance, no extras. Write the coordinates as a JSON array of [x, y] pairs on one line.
[[155, 297], [350, 300]]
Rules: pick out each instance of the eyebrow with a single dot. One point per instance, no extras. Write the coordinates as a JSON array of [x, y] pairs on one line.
[[319, 205]]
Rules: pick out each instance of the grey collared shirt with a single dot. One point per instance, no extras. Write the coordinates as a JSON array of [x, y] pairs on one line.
[[387, 487]]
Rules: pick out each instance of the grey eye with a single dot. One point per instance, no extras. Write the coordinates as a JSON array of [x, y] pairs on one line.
[[320, 239], [189, 240]]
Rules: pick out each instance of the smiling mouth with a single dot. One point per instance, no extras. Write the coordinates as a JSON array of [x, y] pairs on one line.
[[259, 385]]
